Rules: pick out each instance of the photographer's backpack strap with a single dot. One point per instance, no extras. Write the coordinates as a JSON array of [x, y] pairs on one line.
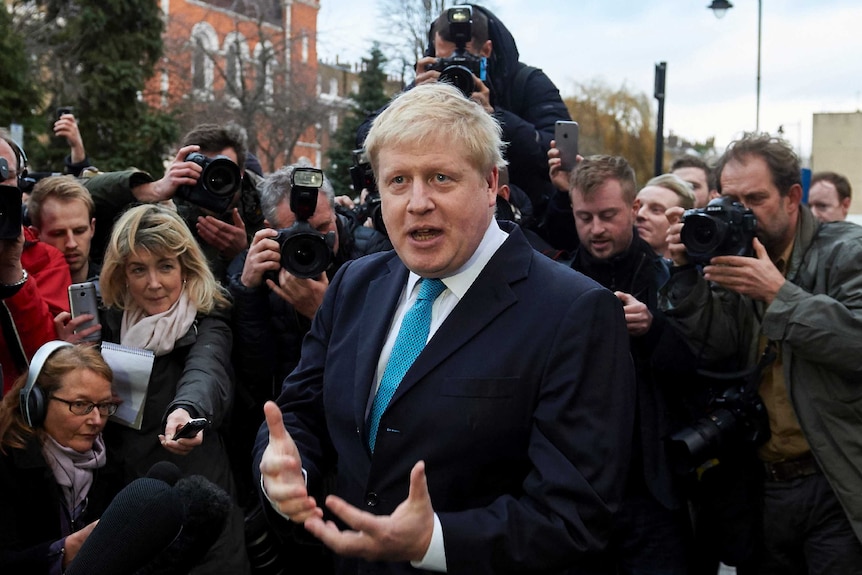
[[516, 98]]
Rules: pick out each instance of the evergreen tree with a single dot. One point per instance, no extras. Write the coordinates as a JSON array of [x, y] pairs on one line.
[[371, 96], [18, 93], [96, 55]]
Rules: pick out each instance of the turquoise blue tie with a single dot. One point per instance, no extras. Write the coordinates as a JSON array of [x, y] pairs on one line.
[[409, 342]]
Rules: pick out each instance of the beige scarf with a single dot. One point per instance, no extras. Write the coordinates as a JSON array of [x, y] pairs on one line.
[[158, 332]]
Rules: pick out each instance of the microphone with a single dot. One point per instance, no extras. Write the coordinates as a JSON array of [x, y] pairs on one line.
[[206, 509], [142, 520], [165, 471]]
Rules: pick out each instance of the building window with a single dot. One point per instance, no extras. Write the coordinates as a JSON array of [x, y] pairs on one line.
[[333, 123], [333, 86], [204, 43], [305, 49], [266, 66]]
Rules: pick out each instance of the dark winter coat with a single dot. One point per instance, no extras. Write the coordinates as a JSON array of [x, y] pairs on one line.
[[32, 507]]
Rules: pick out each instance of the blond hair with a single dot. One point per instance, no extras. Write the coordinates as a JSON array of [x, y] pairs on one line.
[[161, 232], [63, 188], [678, 186], [432, 111]]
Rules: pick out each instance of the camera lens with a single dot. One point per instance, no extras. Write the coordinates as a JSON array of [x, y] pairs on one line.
[[306, 255], [703, 234], [691, 446], [221, 178], [459, 76]]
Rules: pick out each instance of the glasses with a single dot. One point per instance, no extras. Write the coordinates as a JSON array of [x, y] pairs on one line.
[[84, 407]]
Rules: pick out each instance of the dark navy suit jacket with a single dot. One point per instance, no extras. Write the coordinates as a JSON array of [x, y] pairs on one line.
[[521, 406]]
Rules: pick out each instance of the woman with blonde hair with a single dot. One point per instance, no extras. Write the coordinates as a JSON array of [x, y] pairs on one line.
[[162, 296], [54, 482]]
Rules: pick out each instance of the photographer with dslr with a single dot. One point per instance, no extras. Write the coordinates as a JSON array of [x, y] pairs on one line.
[[207, 181], [279, 283], [464, 41], [801, 293]]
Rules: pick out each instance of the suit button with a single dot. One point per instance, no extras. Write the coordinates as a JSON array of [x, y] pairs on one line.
[[358, 431], [371, 499]]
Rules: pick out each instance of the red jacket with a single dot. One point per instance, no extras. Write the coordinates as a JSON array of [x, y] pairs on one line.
[[33, 308]]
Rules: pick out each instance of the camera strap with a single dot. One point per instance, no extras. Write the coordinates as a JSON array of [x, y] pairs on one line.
[[752, 375], [752, 380]]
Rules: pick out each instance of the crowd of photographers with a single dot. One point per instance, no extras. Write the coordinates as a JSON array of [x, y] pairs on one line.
[[742, 306]]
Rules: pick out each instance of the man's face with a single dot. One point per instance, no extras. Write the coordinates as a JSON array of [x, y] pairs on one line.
[[436, 204], [67, 226], [651, 221], [445, 49], [750, 183], [323, 219], [699, 183], [604, 220], [826, 204]]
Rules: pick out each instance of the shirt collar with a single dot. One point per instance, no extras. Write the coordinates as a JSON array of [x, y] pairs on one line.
[[459, 282]]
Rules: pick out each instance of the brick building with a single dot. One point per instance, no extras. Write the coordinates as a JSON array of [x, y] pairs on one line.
[[253, 62]]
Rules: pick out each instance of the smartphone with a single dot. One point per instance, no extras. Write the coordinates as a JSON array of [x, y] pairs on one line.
[[566, 140], [83, 299], [191, 428], [64, 110]]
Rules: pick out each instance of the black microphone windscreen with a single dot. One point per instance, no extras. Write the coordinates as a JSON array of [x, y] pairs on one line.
[[141, 521], [207, 507], [165, 471]]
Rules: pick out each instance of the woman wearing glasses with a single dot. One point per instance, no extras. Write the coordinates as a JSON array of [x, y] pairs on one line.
[[54, 482], [163, 297]]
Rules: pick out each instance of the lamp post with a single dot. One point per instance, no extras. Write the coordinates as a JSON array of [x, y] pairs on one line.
[[720, 8]]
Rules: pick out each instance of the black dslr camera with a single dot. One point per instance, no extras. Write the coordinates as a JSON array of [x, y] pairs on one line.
[[305, 252], [723, 228], [734, 416], [11, 214], [461, 66], [363, 178], [218, 182]]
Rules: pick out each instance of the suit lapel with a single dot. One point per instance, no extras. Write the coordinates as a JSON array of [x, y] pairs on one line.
[[381, 299]]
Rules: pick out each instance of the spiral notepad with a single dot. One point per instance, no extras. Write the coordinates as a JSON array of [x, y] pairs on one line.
[[132, 368]]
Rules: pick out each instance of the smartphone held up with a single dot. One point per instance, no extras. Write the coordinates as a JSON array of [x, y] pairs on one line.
[[84, 300], [566, 140]]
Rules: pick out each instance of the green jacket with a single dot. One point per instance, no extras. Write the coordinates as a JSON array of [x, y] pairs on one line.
[[816, 317], [112, 194]]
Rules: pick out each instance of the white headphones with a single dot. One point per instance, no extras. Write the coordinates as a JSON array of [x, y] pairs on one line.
[[32, 400]]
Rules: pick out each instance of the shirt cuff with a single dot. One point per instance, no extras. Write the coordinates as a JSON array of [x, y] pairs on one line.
[[435, 556], [56, 553]]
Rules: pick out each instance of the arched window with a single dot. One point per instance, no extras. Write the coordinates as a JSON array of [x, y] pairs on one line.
[[235, 55], [204, 43], [264, 56]]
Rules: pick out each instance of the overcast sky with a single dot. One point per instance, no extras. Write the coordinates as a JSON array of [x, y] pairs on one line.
[[811, 59]]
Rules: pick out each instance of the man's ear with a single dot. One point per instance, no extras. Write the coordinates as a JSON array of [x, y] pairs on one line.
[[504, 192], [493, 179], [93, 225], [794, 195], [636, 206], [486, 49], [36, 231]]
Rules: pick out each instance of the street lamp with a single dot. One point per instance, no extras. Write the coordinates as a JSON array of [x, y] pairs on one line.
[[720, 8]]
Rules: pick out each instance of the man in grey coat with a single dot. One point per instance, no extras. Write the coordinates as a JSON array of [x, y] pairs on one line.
[[802, 293]]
